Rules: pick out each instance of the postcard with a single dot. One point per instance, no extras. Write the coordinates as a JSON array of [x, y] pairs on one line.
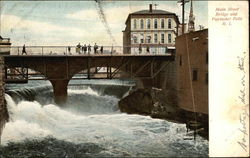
[[108, 78]]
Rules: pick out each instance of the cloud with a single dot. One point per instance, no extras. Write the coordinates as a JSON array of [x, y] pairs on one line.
[[9, 22], [15, 26], [83, 26]]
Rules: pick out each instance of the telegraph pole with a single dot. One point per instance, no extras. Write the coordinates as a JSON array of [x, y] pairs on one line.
[[183, 12]]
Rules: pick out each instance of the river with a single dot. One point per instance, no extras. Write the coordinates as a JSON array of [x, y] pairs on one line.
[[89, 125]]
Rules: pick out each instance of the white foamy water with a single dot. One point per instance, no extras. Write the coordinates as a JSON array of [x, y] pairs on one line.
[[118, 133]]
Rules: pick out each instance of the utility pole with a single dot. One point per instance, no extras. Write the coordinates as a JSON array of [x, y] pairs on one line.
[[183, 12]]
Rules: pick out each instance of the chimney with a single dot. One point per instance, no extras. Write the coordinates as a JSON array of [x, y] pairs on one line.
[[150, 8]]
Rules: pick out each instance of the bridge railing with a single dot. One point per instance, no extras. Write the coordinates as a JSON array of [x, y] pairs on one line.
[[74, 50]]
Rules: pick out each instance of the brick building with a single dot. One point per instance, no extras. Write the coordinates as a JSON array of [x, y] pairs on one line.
[[155, 29], [192, 71]]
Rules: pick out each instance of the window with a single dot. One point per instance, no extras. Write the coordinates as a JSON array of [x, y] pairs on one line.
[[135, 23], [169, 38], [162, 38], [162, 23], [135, 40], [206, 57], [148, 39], [195, 75], [155, 38], [180, 60], [169, 24], [142, 24], [141, 38], [155, 24], [148, 23], [206, 80]]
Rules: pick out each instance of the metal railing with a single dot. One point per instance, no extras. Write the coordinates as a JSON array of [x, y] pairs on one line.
[[74, 50]]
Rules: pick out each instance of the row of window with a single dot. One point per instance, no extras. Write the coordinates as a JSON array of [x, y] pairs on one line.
[[148, 39], [148, 23]]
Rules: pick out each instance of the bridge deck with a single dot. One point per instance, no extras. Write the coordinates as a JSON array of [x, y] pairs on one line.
[[149, 70]]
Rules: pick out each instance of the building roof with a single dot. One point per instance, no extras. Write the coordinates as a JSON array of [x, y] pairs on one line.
[[153, 12], [143, 12]]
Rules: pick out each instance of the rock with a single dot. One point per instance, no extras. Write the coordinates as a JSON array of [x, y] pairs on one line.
[[153, 102], [139, 101], [160, 104]]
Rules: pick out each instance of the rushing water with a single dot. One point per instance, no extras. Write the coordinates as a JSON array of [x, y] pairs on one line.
[[89, 125]]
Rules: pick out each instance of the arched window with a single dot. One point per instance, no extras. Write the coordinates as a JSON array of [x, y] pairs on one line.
[[155, 24], [142, 24], [135, 23], [135, 39], [169, 24], [162, 38], [169, 38], [148, 23], [155, 38], [162, 23]]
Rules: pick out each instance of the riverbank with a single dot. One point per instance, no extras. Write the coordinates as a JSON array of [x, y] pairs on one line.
[[163, 104]]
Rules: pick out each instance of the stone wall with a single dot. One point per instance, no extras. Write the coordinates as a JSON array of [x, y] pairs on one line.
[[3, 109]]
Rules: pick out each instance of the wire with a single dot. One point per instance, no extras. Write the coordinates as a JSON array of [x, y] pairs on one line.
[[104, 20]]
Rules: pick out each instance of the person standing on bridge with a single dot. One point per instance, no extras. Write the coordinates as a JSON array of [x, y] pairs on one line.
[[95, 48], [148, 52], [84, 48], [69, 49], [89, 48], [24, 50], [78, 48], [140, 49], [101, 49]]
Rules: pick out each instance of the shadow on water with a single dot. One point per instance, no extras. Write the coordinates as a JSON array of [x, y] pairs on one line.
[[49, 147]]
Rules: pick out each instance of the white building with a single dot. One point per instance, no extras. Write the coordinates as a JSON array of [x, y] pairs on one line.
[[152, 29]]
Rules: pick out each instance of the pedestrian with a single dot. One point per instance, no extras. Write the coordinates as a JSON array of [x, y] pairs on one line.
[[148, 50], [69, 49], [95, 48], [101, 49], [140, 49], [84, 48], [24, 50], [89, 48], [78, 48]]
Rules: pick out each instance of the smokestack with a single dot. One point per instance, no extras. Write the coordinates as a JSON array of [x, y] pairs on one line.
[[150, 8]]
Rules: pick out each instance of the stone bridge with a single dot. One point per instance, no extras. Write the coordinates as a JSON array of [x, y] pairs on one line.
[[149, 70]]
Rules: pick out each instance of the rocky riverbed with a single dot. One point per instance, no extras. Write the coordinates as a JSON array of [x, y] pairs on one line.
[[163, 104]]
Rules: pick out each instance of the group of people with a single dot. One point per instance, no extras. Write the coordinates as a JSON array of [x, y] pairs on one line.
[[86, 49]]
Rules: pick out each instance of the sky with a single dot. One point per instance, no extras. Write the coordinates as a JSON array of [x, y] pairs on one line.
[[62, 23]]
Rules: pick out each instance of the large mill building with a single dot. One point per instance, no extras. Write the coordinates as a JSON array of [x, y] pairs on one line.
[[153, 29]]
